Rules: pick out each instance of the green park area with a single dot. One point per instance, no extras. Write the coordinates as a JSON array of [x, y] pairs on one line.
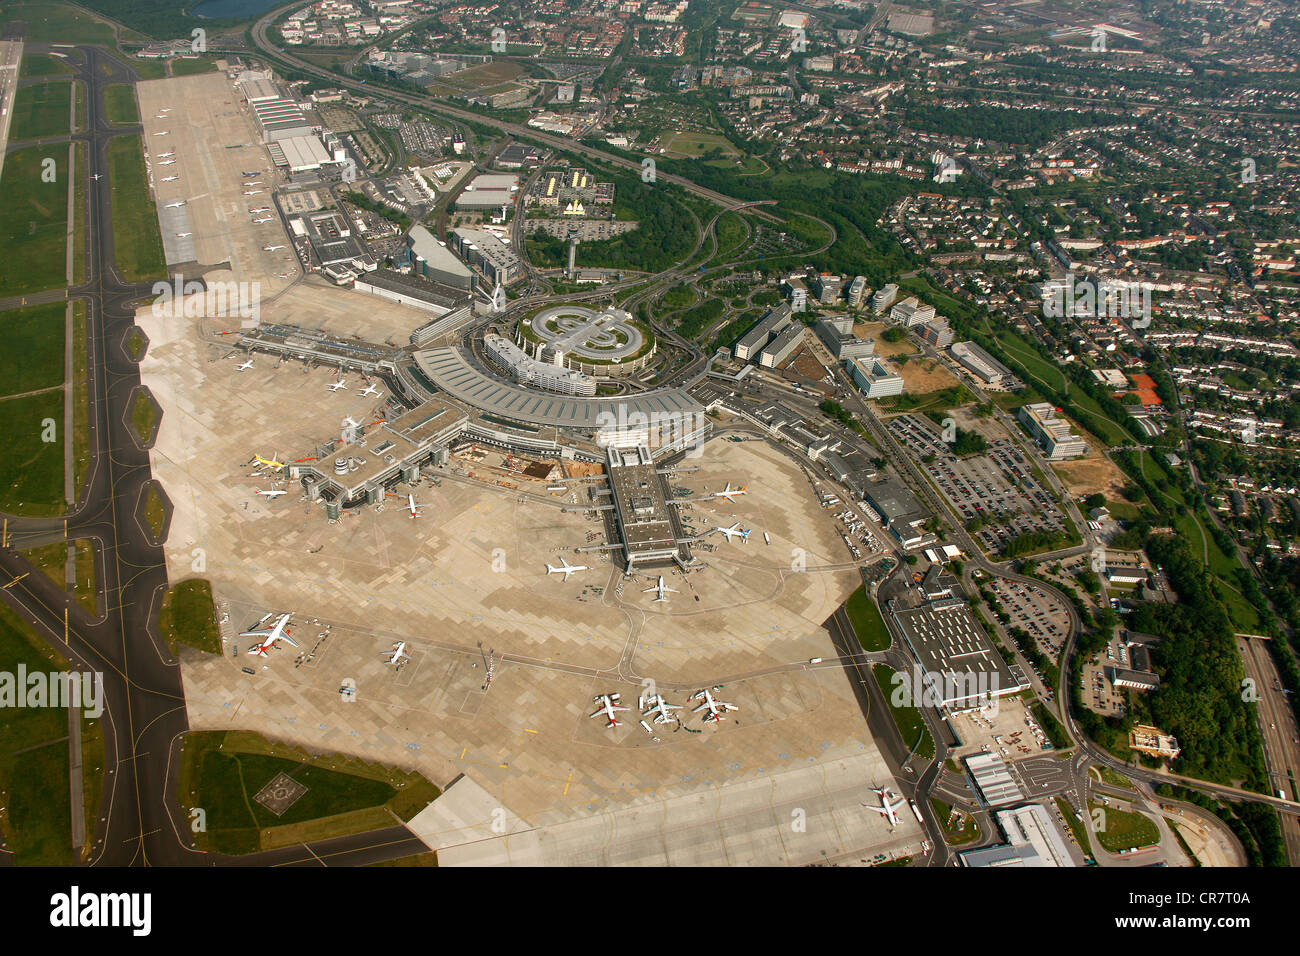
[[223, 772], [188, 617]]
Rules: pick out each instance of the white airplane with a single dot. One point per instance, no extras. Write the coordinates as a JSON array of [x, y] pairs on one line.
[[398, 657], [248, 364], [183, 235], [168, 179], [412, 505], [608, 705], [261, 209], [255, 192], [268, 636], [337, 385], [164, 109], [96, 176], [255, 182], [729, 492], [371, 389], [163, 133], [269, 462], [167, 155], [566, 568], [284, 275], [272, 248], [660, 708], [735, 531], [168, 162], [173, 205], [273, 493], [717, 710], [267, 219], [885, 809], [661, 590]]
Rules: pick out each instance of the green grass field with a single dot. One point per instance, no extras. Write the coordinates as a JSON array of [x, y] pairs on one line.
[[143, 416], [56, 23], [33, 354], [908, 719], [867, 622], [135, 217], [188, 66], [188, 617], [33, 222], [41, 64], [697, 144], [1124, 829], [31, 469], [155, 515], [119, 104], [223, 771], [35, 815], [1025, 355], [41, 110]]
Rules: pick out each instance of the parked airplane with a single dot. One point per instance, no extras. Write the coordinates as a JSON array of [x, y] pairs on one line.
[[248, 364], [566, 568], [167, 154], [183, 235], [272, 248], [168, 162], [730, 493], [260, 209], [255, 182], [661, 590], [371, 389], [608, 705], [173, 205], [273, 493], [254, 173], [660, 708], [169, 179], [885, 809], [337, 385], [412, 505], [398, 656], [735, 531], [268, 636], [269, 462], [267, 219], [163, 133], [717, 709], [252, 192]]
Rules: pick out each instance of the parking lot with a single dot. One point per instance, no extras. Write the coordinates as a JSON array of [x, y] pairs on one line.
[[1034, 611], [997, 487]]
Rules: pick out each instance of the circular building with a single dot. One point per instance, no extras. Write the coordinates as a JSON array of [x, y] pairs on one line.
[[605, 343]]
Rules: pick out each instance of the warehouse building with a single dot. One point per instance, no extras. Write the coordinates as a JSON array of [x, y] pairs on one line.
[[1033, 839], [994, 780], [412, 290], [282, 118], [490, 191]]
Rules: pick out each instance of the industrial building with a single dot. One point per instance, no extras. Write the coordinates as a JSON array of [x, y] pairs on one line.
[[486, 252], [994, 780], [282, 118], [489, 191], [874, 377], [1052, 434], [528, 371], [752, 342], [334, 248], [1033, 839], [836, 332], [782, 347], [431, 259], [900, 512], [412, 290]]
